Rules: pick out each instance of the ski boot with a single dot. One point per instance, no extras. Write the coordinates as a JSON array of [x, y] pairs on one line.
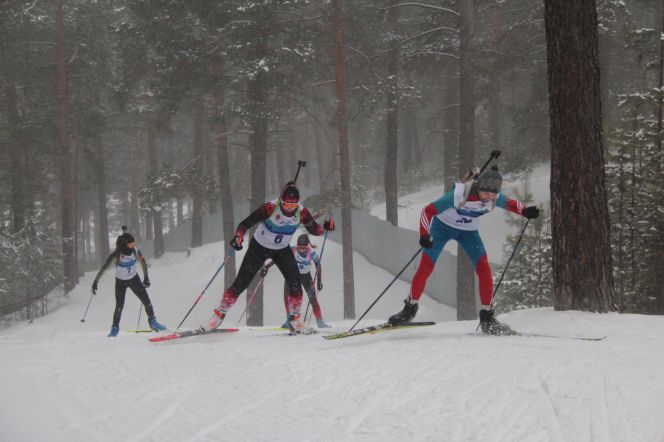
[[405, 315], [156, 326], [321, 324], [297, 327], [491, 326], [214, 321], [286, 324], [114, 331]]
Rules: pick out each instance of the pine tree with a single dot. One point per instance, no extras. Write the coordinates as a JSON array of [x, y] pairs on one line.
[[528, 281]]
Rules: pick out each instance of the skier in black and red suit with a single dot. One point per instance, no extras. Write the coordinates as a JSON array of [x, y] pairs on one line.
[[277, 221]]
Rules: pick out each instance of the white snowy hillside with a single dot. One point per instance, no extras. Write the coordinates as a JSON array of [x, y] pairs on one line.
[[493, 227], [62, 380]]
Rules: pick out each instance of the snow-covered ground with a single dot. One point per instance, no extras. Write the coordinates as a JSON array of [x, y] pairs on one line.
[[493, 227], [61, 380]]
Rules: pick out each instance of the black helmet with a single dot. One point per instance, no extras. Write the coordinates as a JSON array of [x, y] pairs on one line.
[[290, 194], [125, 239], [303, 240], [490, 180]]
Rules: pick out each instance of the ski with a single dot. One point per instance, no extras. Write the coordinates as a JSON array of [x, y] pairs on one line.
[[138, 331], [512, 332], [538, 335], [375, 329], [188, 333]]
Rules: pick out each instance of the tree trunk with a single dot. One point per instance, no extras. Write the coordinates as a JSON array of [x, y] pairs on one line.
[[196, 192], [15, 161], [149, 225], [257, 94], [494, 81], [67, 189], [320, 156], [225, 191], [466, 308], [582, 266], [101, 224], [411, 149], [450, 128], [344, 163], [392, 126], [154, 214], [659, 280], [135, 212]]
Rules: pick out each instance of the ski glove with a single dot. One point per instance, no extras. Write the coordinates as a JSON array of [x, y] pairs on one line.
[[329, 225], [94, 287], [531, 212], [263, 272], [319, 286], [146, 282], [426, 241], [236, 242]]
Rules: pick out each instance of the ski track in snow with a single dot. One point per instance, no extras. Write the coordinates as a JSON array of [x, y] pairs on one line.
[[62, 380]]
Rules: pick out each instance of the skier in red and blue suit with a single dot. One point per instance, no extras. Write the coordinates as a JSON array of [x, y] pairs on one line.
[[455, 216]]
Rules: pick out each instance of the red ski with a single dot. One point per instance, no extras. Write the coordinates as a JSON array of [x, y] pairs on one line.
[[186, 334]]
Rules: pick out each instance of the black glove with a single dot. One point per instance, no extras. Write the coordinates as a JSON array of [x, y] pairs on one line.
[[146, 282], [426, 241], [531, 212], [319, 286], [329, 225], [263, 272], [94, 287], [236, 242]]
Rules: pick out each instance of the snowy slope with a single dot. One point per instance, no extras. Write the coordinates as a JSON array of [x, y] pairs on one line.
[[493, 227], [65, 381]]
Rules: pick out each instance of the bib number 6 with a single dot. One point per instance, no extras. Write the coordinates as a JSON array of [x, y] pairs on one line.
[[278, 239]]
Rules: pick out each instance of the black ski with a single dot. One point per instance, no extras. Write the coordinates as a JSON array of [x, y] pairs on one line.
[[376, 328], [507, 331], [538, 335]]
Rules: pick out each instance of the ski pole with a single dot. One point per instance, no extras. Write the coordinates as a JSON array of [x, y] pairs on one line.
[[206, 287], [320, 260], [251, 298], [500, 280], [86, 308], [386, 288], [140, 310]]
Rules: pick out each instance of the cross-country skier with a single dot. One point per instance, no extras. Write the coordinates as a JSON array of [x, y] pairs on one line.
[[125, 257], [304, 256], [277, 221], [456, 216]]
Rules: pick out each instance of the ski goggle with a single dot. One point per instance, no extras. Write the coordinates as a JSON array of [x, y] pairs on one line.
[[288, 206]]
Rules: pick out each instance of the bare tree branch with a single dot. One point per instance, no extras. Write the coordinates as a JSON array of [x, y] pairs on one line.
[[413, 37], [444, 54], [422, 5]]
